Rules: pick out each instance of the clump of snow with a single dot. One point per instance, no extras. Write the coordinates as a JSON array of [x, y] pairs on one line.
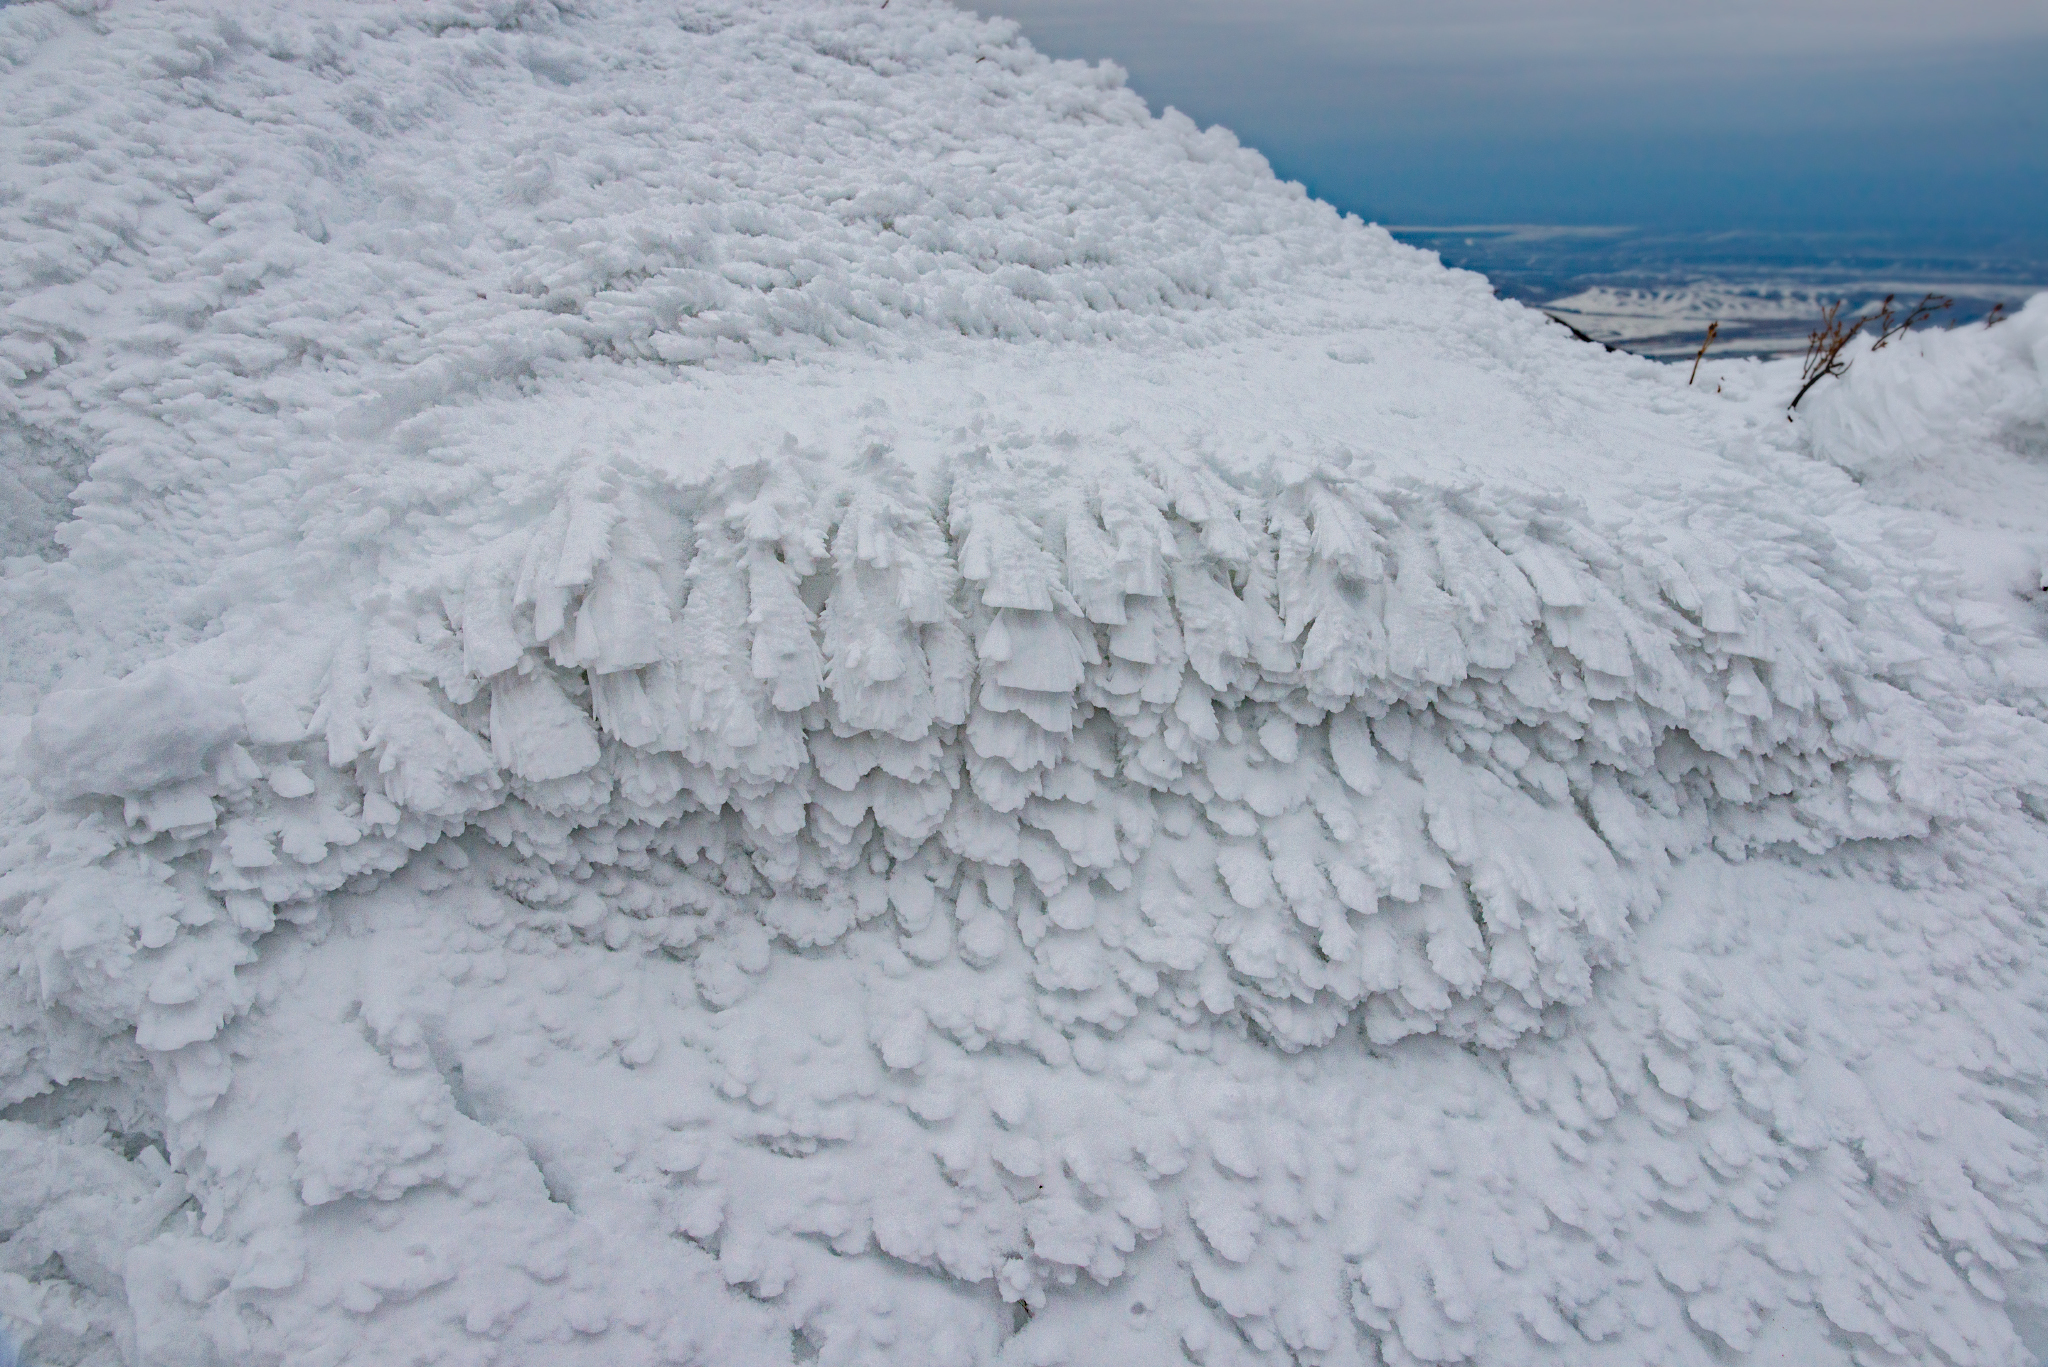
[[1929, 394], [155, 728], [790, 685], [1954, 422]]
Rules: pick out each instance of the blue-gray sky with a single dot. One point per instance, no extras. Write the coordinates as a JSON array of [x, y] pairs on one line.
[[1928, 117]]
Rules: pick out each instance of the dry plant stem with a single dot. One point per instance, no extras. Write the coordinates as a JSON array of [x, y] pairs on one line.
[[1568, 327], [1996, 316], [1824, 347], [1713, 331], [1929, 305], [1576, 332]]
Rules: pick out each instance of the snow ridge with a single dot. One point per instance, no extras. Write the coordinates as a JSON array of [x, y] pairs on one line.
[[744, 685], [373, 211], [1435, 744]]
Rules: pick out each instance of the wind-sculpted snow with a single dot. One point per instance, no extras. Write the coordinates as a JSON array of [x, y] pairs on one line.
[[773, 683], [1956, 422], [348, 217]]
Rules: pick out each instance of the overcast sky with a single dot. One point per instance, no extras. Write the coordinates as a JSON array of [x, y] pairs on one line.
[[1928, 116]]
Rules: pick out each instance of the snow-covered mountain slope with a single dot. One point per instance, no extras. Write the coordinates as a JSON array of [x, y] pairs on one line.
[[735, 684]]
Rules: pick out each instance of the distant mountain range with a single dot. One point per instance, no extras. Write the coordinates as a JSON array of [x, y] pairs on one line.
[[1655, 291]]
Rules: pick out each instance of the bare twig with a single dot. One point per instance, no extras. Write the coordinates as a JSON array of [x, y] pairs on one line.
[[1568, 327], [1824, 346], [1582, 336], [1920, 313], [1713, 331], [1996, 316]]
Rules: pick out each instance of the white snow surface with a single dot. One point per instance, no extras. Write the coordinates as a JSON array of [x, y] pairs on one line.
[[730, 684]]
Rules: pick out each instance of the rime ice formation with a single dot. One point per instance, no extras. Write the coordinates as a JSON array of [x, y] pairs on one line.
[[744, 684]]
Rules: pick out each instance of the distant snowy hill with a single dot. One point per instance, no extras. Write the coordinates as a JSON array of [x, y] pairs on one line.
[[729, 684]]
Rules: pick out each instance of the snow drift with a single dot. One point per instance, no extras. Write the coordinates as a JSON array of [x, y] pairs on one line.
[[746, 684]]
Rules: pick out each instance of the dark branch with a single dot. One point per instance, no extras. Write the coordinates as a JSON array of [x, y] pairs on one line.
[[1584, 337], [1824, 346], [1921, 312]]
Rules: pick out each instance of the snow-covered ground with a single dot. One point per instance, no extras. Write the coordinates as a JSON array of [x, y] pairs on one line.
[[739, 684]]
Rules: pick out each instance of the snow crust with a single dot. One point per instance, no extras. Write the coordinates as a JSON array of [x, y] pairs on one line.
[[746, 684]]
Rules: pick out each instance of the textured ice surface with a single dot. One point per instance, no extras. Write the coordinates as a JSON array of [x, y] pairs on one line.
[[764, 683]]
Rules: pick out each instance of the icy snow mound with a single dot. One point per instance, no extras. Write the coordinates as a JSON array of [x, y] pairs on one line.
[[745, 683], [1953, 420], [1932, 392], [367, 210]]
